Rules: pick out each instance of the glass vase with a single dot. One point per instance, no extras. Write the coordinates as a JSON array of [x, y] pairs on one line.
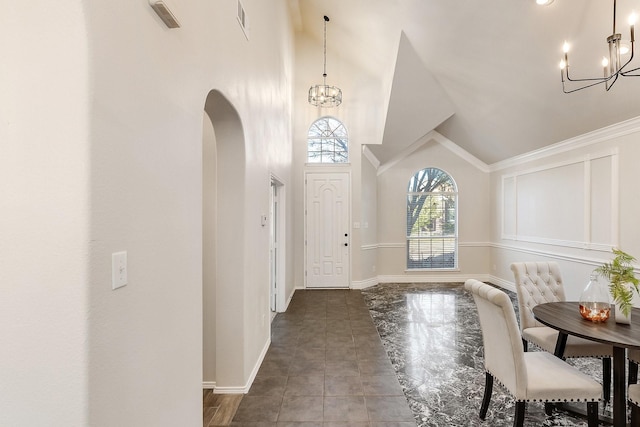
[[594, 301]]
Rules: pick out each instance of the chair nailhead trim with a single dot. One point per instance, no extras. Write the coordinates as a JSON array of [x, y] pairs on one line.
[[540, 400]]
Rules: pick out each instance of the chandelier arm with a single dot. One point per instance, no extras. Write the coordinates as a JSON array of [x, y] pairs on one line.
[[626, 73], [609, 86], [583, 87], [598, 79]]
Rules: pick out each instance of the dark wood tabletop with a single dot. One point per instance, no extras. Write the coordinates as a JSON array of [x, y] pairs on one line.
[[565, 317]]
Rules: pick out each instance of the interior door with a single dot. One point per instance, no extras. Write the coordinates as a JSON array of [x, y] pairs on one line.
[[327, 230], [273, 244]]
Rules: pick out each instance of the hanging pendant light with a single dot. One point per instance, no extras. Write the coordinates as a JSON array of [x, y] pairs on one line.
[[613, 67], [324, 95]]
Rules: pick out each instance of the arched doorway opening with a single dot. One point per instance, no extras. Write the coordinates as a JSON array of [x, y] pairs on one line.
[[223, 166]]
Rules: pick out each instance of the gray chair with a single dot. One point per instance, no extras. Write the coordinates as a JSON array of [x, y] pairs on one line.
[[541, 282], [529, 377]]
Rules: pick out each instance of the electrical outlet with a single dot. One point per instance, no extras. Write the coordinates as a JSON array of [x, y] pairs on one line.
[[118, 269]]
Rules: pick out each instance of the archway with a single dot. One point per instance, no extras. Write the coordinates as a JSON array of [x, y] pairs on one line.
[[223, 174]]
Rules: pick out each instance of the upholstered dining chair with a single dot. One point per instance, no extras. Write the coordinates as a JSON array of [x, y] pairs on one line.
[[530, 377], [541, 282]]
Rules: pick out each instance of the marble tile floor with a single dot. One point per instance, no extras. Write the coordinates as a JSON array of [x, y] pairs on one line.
[[433, 337], [395, 355]]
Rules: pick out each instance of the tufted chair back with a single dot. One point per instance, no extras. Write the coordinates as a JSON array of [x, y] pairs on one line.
[[536, 283], [503, 352]]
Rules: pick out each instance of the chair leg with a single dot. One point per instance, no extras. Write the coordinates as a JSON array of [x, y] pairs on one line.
[[525, 344], [633, 372], [518, 419], [635, 415], [592, 414], [606, 378], [488, 388]]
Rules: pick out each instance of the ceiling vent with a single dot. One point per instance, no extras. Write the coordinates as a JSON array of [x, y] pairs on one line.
[[164, 13], [242, 20]]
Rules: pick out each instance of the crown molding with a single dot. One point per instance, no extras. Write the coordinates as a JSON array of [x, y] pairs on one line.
[[368, 154], [607, 133], [460, 152], [435, 136]]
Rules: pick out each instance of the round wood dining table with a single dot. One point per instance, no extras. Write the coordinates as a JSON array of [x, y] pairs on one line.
[[565, 317]]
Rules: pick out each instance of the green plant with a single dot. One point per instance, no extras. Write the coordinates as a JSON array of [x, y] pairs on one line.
[[619, 272]]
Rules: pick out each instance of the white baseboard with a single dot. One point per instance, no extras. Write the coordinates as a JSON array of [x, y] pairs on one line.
[[432, 278], [240, 389], [256, 367], [363, 284], [230, 390], [289, 298], [505, 284]]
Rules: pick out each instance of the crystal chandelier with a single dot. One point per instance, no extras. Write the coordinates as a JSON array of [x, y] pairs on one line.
[[612, 66], [324, 95]]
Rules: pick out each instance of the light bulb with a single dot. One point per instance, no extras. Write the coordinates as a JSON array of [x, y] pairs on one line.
[[605, 62], [544, 2], [565, 47], [633, 18], [563, 64], [624, 48]]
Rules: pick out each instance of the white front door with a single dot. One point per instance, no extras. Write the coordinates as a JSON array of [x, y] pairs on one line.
[[327, 223]]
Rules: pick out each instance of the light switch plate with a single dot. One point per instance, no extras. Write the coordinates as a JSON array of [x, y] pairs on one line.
[[118, 269]]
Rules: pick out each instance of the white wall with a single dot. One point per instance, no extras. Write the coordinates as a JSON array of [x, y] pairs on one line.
[[363, 113], [368, 223], [209, 255], [103, 118], [473, 215], [590, 204], [44, 220]]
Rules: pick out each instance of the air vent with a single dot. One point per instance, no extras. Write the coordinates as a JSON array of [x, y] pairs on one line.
[[164, 13], [242, 20]]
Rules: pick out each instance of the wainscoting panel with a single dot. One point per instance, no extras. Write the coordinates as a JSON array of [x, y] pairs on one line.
[[571, 204]]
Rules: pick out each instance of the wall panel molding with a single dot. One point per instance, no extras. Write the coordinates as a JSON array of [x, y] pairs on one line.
[[543, 204]]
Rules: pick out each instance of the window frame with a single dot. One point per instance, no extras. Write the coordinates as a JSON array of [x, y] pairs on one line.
[[420, 265], [340, 126]]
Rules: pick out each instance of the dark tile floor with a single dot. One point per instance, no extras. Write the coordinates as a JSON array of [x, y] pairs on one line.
[[391, 355], [326, 367]]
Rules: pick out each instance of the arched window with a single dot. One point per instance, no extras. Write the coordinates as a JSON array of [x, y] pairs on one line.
[[327, 141], [432, 212]]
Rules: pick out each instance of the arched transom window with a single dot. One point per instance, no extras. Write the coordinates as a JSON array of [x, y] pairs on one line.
[[432, 212], [327, 141]]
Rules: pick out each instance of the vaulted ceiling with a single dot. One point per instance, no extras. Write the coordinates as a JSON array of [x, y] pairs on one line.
[[484, 74]]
